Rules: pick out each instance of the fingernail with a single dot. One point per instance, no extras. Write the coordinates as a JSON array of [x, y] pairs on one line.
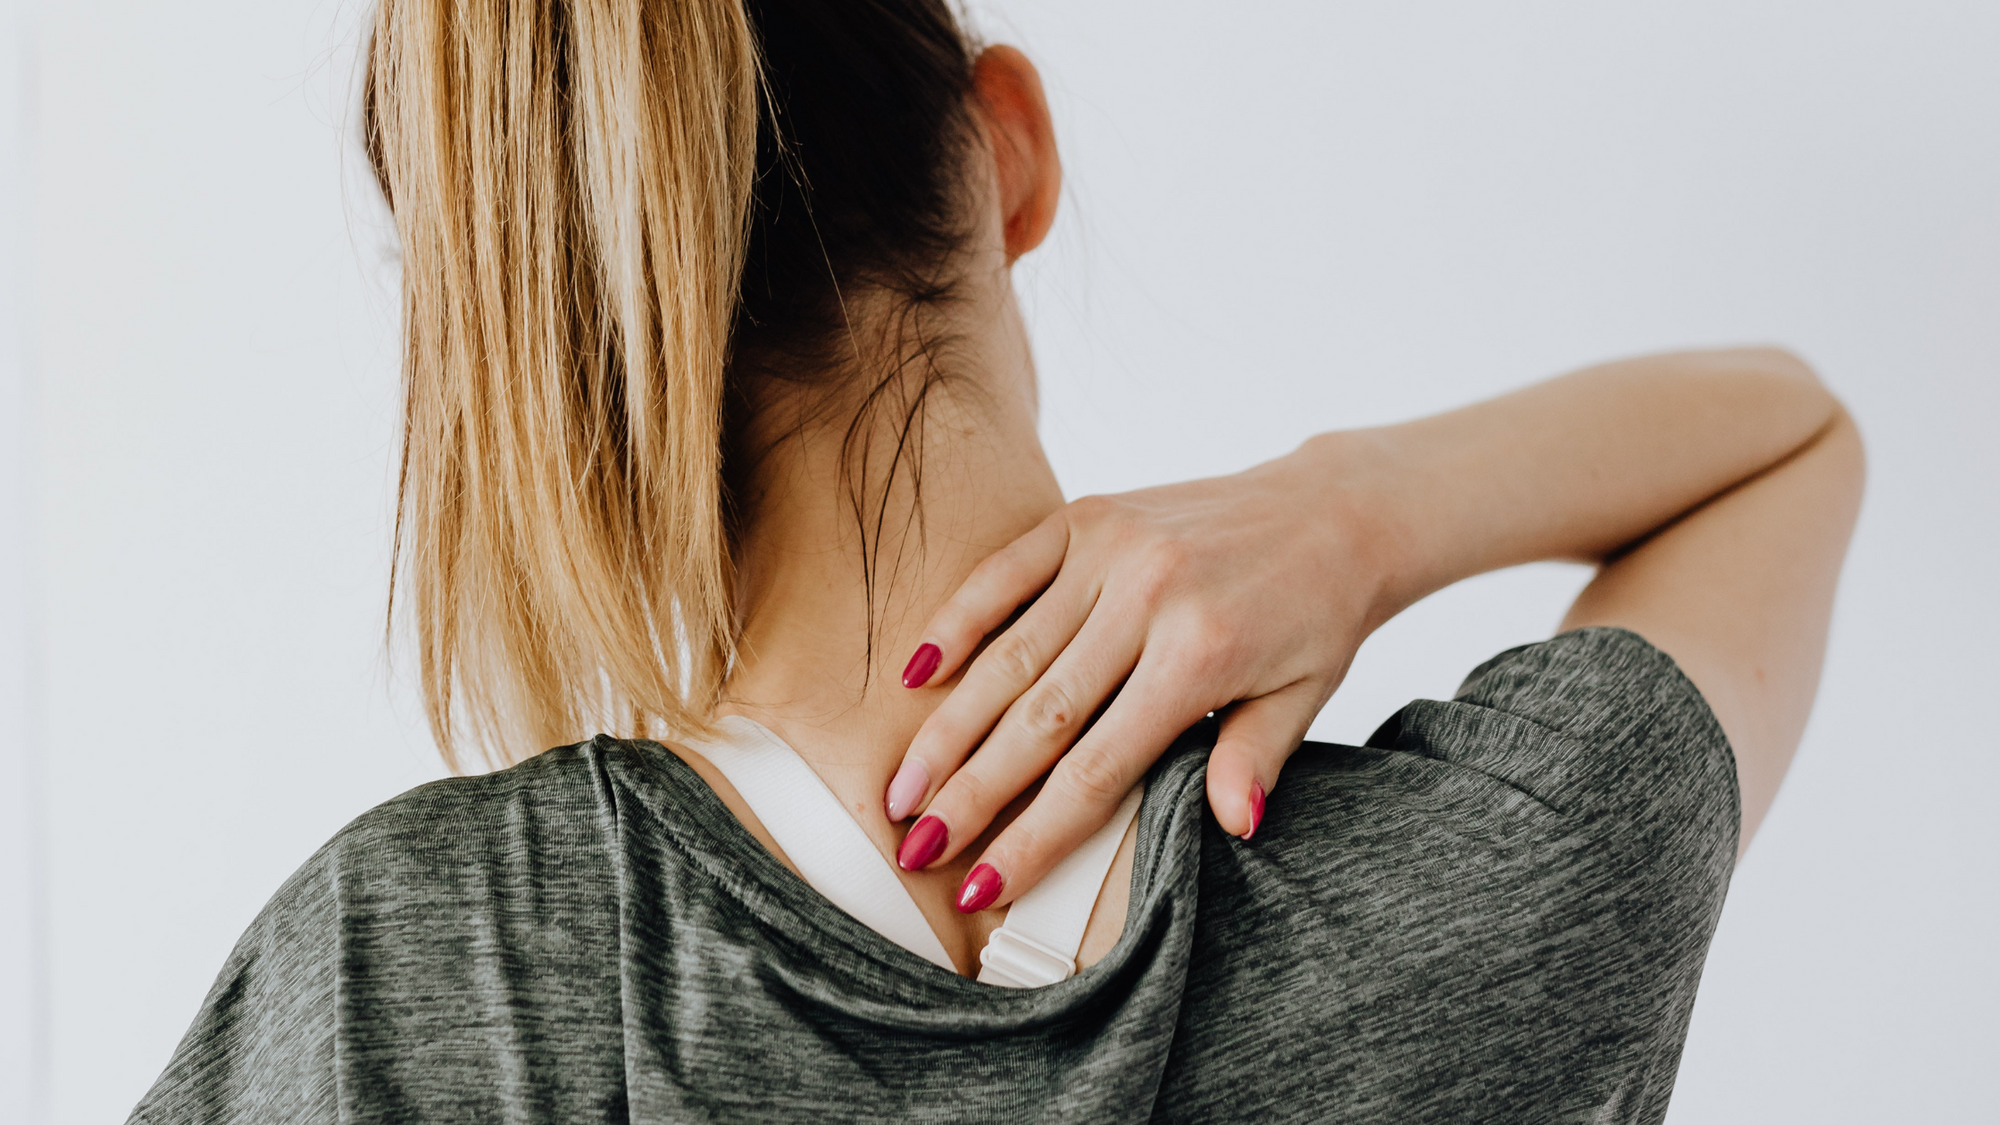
[[907, 788], [1256, 808], [980, 889], [924, 844], [918, 671]]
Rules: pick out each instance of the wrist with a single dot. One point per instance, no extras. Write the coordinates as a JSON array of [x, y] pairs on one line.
[[1356, 502]]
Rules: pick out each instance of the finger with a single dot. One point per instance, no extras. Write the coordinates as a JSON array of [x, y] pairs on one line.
[[1257, 737], [1041, 722], [1085, 787], [997, 587], [997, 680]]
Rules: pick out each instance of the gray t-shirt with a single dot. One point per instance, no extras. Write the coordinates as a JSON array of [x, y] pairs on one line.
[[1496, 911]]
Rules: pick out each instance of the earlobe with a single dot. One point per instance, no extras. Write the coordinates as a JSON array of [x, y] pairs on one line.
[[1022, 137]]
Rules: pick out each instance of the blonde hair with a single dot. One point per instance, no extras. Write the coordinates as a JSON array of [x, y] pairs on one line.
[[571, 185]]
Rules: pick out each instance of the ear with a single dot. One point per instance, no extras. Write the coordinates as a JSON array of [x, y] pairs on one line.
[[1023, 140]]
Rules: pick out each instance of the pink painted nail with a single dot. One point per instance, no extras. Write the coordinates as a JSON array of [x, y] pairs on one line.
[[980, 889], [918, 671], [924, 844], [907, 788], [1256, 808]]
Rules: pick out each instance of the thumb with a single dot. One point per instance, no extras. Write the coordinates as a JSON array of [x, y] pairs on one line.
[[1257, 737]]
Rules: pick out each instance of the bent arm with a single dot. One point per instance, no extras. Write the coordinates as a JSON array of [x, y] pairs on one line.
[[1716, 491], [1739, 592]]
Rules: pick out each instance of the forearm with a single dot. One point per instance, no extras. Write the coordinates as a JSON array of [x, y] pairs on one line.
[[1248, 595], [1580, 467]]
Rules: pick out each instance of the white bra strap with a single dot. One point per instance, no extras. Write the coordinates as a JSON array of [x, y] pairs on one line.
[[816, 834], [1037, 944]]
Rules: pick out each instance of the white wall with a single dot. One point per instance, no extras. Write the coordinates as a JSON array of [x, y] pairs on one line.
[[22, 1062], [217, 409], [1282, 218]]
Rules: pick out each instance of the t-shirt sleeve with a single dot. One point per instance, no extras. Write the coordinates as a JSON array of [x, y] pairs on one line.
[[1596, 724], [1604, 731], [261, 1049], [467, 921]]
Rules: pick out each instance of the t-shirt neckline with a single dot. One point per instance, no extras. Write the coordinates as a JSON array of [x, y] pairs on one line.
[[828, 953]]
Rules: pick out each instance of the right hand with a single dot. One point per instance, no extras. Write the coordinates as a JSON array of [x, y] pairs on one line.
[[1246, 594]]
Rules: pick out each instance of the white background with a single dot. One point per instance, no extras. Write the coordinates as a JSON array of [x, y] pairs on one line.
[[1280, 218]]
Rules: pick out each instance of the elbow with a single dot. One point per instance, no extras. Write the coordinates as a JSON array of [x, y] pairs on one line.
[[1776, 359], [1849, 452], [1837, 436], [1792, 380], [1774, 362]]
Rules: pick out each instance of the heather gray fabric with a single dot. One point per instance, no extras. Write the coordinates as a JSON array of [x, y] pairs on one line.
[[1495, 912]]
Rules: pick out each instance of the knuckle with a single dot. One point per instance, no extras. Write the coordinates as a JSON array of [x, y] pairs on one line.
[[966, 791], [1211, 643], [948, 735], [1092, 778], [1198, 663], [1005, 574], [1091, 509], [1105, 520], [1015, 659], [1050, 712], [1161, 565], [999, 574]]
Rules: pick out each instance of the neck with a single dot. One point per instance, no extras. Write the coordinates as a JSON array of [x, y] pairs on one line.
[[834, 592], [843, 558]]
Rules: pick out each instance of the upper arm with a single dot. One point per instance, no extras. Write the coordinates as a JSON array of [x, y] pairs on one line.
[[1739, 591], [1600, 727]]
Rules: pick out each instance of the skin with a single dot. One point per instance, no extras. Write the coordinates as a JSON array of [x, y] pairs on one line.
[[805, 667], [1715, 491]]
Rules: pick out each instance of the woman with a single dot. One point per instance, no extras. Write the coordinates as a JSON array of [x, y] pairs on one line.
[[720, 407]]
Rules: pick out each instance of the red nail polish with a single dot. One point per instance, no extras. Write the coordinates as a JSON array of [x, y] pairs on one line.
[[924, 844], [980, 889], [918, 671], [1256, 808]]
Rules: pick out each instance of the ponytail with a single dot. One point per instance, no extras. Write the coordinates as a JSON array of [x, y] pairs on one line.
[[572, 187], [610, 249]]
